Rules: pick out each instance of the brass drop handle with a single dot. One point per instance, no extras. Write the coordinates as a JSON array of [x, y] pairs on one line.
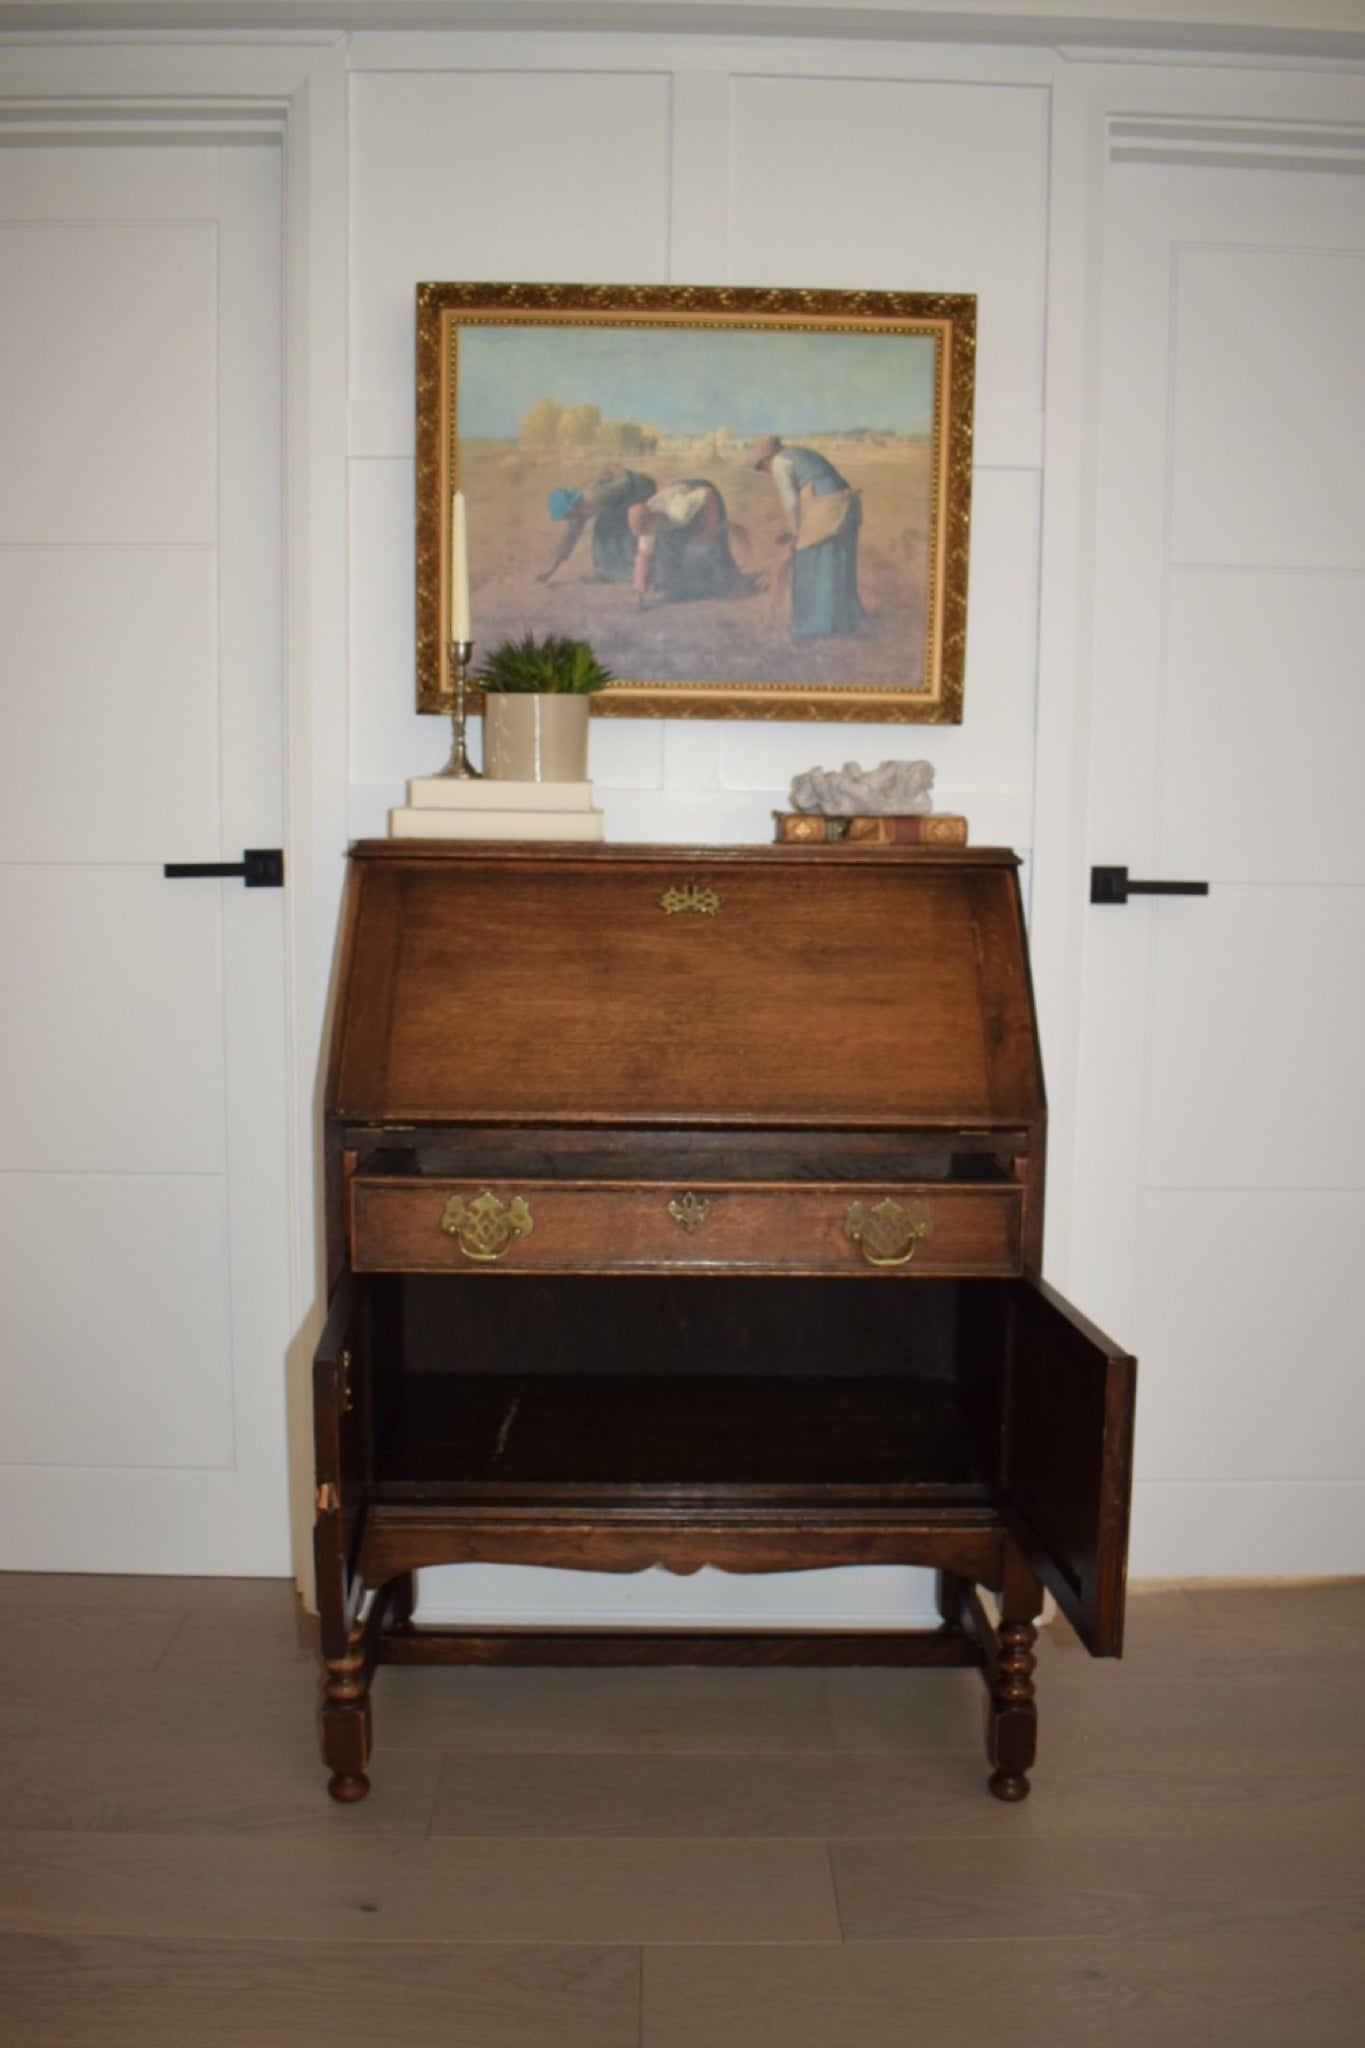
[[887, 1235], [689, 1211], [486, 1228]]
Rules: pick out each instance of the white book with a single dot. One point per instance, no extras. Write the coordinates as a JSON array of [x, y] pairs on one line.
[[415, 824], [448, 793]]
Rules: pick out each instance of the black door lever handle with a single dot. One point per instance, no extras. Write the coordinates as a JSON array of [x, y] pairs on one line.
[[1111, 885], [261, 867]]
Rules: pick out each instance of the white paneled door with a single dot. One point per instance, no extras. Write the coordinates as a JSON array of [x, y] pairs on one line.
[[1222, 1144], [143, 1223]]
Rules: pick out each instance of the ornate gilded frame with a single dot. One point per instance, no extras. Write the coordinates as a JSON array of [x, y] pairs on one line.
[[937, 561]]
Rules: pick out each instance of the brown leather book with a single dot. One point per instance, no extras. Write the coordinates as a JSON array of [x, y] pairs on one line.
[[803, 828]]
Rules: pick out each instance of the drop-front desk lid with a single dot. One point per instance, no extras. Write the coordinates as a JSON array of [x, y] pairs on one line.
[[792, 986]]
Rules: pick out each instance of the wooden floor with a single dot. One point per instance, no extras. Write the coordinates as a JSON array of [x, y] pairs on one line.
[[677, 1859]]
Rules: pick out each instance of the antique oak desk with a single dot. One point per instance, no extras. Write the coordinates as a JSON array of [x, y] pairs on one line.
[[686, 1208]]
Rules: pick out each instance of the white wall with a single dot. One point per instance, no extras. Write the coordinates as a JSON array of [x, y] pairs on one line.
[[704, 163]]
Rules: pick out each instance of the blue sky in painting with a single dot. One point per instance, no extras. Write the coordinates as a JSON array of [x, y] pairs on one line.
[[690, 382]]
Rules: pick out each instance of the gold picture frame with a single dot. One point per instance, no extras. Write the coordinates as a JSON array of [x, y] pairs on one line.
[[753, 503]]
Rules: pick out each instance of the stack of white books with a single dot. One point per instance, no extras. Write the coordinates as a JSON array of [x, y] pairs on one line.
[[442, 807]]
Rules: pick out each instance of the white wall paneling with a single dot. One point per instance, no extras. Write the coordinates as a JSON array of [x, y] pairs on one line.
[[493, 175], [699, 178], [699, 161], [902, 184], [1057, 933]]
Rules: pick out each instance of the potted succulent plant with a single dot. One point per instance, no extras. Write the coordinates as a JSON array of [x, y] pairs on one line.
[[535, 708]]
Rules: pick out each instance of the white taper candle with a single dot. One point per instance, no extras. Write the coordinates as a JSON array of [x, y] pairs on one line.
[[459, 571]]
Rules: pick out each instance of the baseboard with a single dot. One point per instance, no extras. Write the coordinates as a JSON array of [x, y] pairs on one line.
[[517, 1596], [1248, 1529]]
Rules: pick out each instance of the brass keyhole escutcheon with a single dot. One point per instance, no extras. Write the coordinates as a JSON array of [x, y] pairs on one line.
[[690, 896], [689, 1211], [486, 1228], [886, 1235]]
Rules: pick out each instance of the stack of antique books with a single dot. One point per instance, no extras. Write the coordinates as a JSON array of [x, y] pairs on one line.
[[811, 828], [444, 807]]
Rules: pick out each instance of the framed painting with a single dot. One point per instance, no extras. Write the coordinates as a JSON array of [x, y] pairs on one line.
[[752, 503]]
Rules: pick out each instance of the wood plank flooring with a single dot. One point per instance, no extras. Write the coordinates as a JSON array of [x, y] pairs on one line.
[[677, 1859]]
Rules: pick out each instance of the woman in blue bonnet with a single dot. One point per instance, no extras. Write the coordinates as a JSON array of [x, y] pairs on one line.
[[605, 506]]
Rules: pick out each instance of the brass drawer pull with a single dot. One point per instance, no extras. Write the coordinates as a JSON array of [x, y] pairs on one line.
[[689, 1211], [486, 1228], [887, 1235]]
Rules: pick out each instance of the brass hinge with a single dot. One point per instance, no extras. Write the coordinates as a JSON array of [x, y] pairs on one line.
[[328, 1499]]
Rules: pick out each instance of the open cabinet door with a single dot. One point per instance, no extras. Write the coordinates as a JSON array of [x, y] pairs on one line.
[[1067, 1458], [341, 1396]]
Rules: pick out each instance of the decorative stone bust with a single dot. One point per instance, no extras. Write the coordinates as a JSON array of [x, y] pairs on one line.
[[895, 789]]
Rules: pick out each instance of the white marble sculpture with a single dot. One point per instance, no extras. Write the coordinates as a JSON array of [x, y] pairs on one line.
[[895, 789]]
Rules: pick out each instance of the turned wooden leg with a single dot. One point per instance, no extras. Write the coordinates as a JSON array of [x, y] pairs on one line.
[[346, 1723], [1012, 1738], [1013, 1741]]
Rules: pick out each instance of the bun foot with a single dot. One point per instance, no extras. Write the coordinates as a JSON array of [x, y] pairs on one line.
[[1009, 1787], [348, 1786]]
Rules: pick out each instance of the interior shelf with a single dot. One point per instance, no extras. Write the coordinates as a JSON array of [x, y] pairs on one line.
[[693, 1382], [662, 1430]]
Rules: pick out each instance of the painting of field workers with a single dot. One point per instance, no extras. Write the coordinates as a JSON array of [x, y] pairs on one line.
[[732, 507]]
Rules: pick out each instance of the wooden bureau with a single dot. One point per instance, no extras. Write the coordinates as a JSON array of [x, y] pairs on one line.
[[685, 1207]]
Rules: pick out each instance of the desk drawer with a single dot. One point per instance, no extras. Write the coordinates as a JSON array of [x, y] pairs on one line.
[[431, 1226]]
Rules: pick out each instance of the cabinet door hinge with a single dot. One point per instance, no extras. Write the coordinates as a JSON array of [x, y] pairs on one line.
[[328, 1499]]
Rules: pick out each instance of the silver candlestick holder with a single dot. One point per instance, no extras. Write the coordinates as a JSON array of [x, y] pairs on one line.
[[459, 767]]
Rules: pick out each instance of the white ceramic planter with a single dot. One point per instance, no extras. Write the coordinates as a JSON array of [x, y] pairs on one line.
[[535, 739]]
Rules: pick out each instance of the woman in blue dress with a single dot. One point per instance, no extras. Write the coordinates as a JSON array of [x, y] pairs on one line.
[[605, 504], [823, 516]]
